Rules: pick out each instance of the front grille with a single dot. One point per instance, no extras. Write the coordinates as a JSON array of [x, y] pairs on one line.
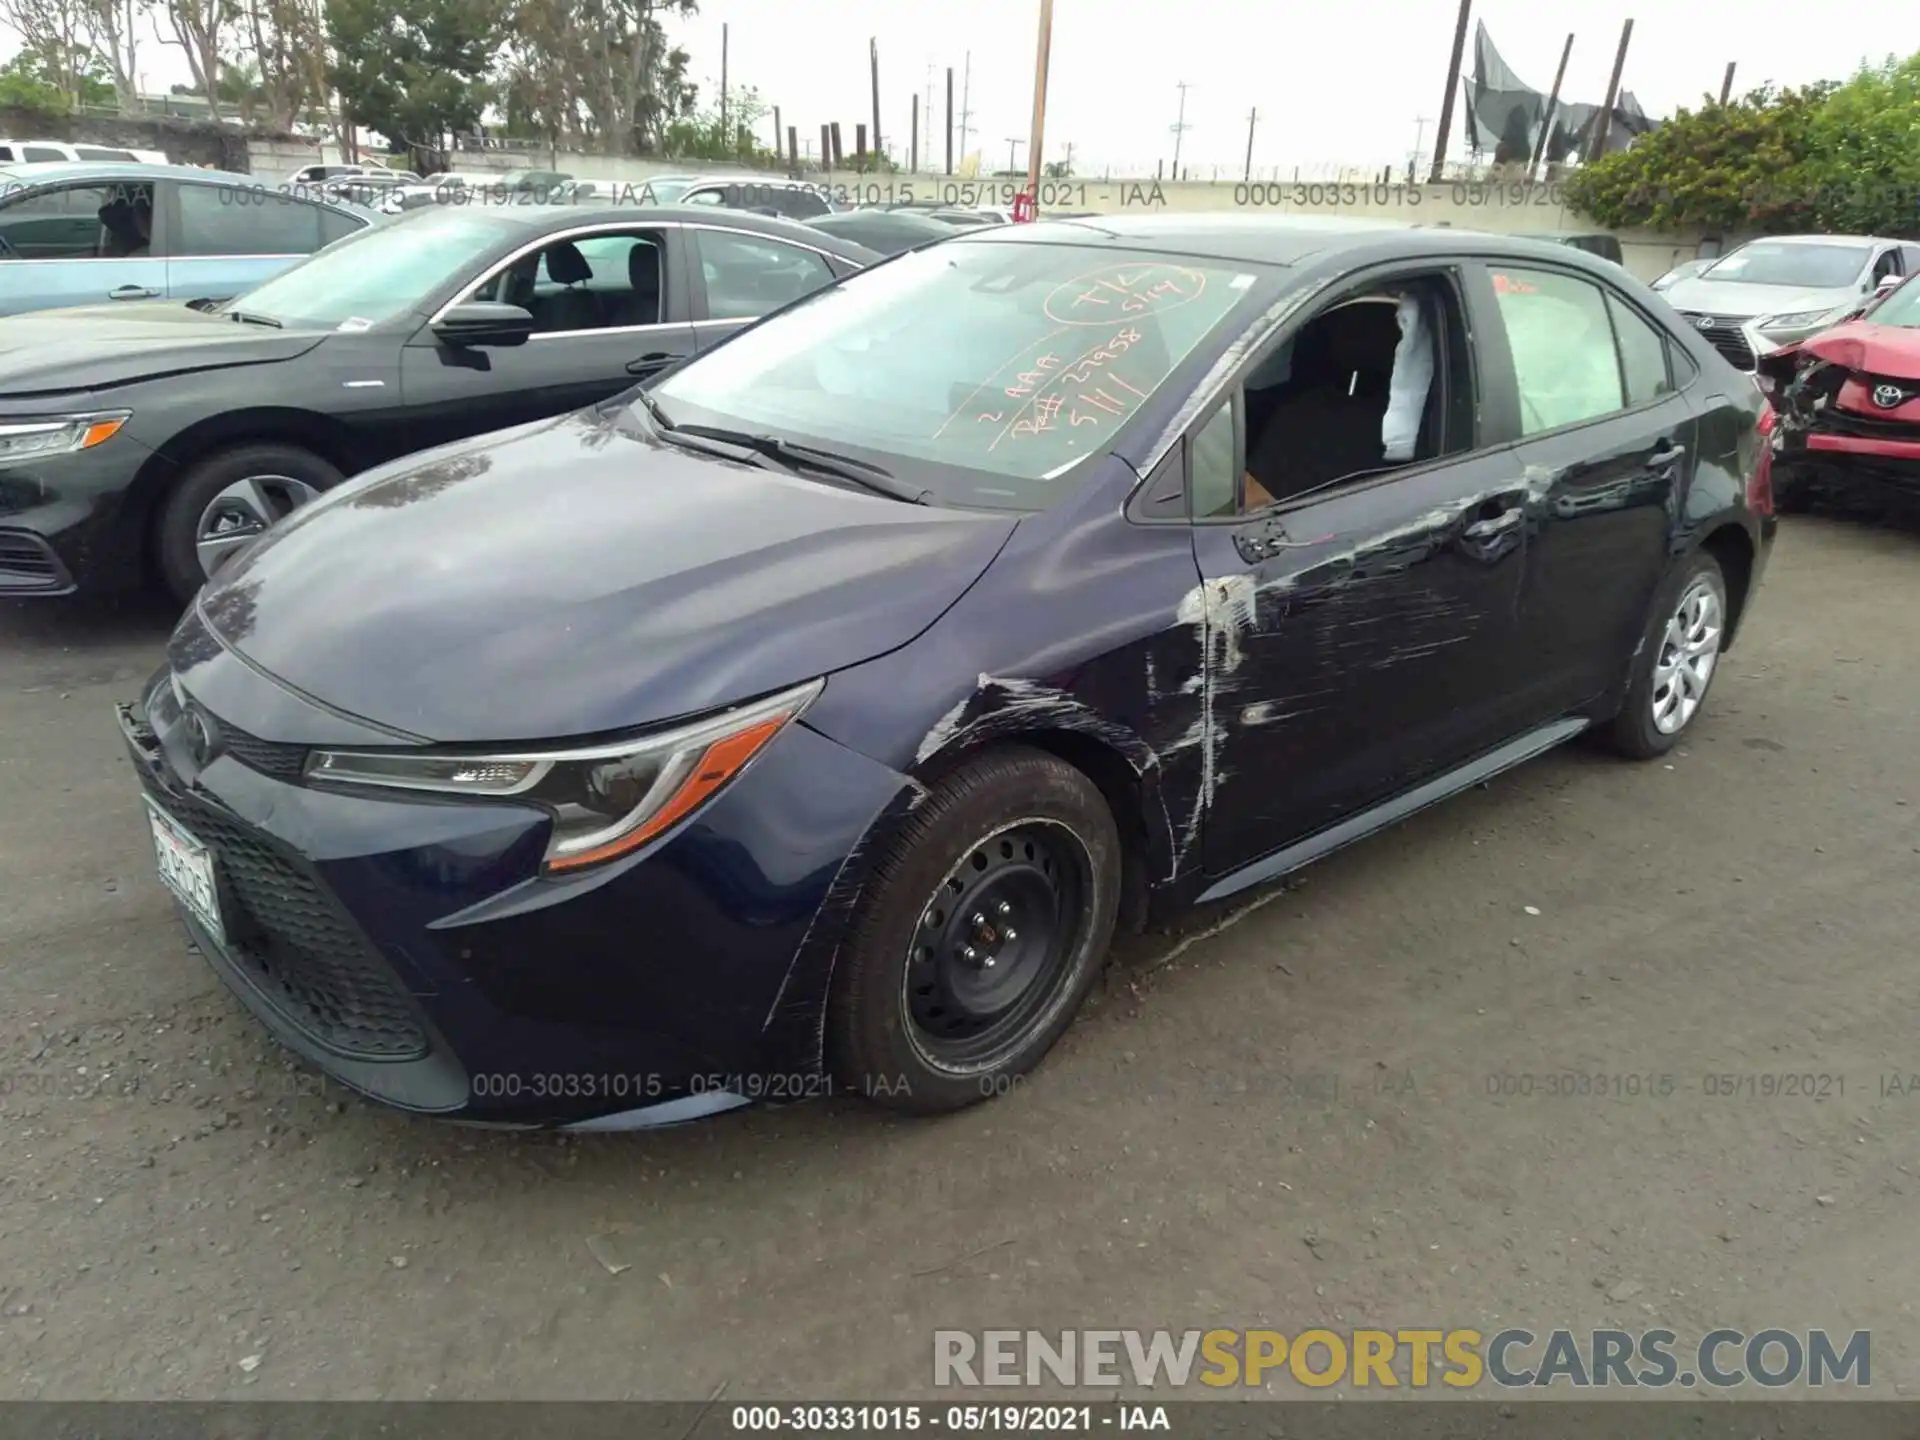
[[1866, 427], [27, 564], [1725, 335], [299, 947], [269, 757]]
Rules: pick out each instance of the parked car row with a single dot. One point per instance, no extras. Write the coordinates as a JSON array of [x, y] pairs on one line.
[[779, 707]]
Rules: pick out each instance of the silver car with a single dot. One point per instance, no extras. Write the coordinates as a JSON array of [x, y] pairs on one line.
[[1778, 291]]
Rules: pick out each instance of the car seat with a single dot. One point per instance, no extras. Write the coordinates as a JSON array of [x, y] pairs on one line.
[[642, 307], [571, 308]]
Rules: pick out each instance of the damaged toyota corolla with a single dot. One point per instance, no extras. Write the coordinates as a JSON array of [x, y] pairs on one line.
[[811, 719], [1849, 406]]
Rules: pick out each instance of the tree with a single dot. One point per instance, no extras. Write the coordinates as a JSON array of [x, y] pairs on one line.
[[112, 32], [1057, 170], [203, 30], [1826, 157], [416, 75], [53, 42], [705, 135], [286, 43]]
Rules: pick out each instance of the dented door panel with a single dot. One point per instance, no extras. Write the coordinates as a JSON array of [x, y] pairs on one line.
[[1357, 644], [1602, 500]]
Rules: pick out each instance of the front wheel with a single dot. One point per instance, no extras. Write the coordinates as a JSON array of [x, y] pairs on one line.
[[1676, 661], [226, 502], [985, 925]]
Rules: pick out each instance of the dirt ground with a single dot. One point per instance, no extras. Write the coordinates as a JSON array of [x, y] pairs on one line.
[[1287, 1121]]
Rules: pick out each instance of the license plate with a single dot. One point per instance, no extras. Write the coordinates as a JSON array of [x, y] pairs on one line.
[[186, 868]]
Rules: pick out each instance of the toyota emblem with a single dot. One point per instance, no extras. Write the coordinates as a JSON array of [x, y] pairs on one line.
[[1703, 322], [1887, 397]]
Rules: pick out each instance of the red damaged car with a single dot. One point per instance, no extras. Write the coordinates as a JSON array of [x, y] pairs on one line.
[[1848, 404]]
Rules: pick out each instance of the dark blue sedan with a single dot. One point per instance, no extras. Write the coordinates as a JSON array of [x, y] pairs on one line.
[[810, 719]]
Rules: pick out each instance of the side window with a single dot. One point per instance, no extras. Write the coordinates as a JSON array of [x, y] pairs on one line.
[[799, 204], [748, 275], [336, 226], [78, 222], [219, 220], [705, 197], [1213, 468], [1377, 380], [1887, 264], [599, 282], [1643, 354], [1564, 361], [95, 152], [32, 153]]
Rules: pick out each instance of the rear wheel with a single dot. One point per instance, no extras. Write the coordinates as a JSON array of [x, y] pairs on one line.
[[986, 923], [1676, 662], [226, 501]]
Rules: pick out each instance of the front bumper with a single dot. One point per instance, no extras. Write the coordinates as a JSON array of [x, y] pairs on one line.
[[406, 947], [66, 523]]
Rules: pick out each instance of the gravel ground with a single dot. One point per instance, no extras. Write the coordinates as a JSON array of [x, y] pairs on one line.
[[1281, 1116]]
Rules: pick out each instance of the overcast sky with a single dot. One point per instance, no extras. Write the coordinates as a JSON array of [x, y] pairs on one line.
[[1340, 81]]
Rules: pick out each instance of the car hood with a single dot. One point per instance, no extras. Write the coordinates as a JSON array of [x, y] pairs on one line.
[[1730, 297], [95, 347], [1889, 350], [578, 577]]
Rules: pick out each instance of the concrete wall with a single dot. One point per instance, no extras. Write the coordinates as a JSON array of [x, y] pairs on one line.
[[1506, 208], [185, 142]]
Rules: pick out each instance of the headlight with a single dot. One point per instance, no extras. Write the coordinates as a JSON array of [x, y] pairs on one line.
[[606, 800], [59, 434], [1801, 319]]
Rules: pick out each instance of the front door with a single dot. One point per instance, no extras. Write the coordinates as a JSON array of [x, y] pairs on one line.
[[609, 311], [81, 244]]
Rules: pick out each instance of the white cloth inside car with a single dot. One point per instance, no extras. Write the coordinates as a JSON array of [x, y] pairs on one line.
[[1412, 379]]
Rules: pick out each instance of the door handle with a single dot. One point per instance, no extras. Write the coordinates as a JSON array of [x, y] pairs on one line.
[[647, 364], [1494, 525], [133, 292], [1665, 456]]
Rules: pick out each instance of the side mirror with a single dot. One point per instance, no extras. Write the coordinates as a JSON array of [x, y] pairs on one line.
[[484, 322], [1888, 284]]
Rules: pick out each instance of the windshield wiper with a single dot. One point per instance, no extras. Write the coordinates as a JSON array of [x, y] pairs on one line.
[[242, 317], [795, 455]]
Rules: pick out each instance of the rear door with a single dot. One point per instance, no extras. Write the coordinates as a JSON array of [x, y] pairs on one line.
[[82, 243], [605, 337], [223, 239], [739, 275], [1606, 441]]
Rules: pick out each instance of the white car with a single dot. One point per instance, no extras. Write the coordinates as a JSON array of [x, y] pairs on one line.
[[33, 152]]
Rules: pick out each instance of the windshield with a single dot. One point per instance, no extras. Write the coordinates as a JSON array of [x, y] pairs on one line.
[[377, 274], [667, 189], [1805, 267], [1901, 308], [1013, 362]]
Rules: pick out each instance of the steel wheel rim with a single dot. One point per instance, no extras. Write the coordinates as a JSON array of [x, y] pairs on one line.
[[1689, 651], [242, 513], [964, 1014]]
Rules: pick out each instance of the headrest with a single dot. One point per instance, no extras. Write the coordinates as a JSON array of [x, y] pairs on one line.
[[566, 265]]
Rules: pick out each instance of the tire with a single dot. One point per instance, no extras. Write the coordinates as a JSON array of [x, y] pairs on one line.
[[1693, 600], [922, 1029], [284, 470]]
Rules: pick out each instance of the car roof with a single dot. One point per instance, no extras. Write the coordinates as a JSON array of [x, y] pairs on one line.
[[568, 217], [53, 172], [1275, 239], [1823, 240]]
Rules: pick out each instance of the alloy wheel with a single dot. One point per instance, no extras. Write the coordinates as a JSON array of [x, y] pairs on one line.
[[241, 513], [993, 947], [1689, 650]]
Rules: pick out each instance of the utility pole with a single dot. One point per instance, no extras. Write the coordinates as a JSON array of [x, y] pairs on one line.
[[949, 120], [1013, 143], [1180, 126], [779, 131], [1726, 85], [1253, 118], [966, 114], [1420, 123], [1553, 103], [873, 56], [1043, 53], [725, 138], [1613, 94], [1453, 85], [926, 126], [913, 142]]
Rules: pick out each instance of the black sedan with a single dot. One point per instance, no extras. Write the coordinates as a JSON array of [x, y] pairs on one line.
[[814, 717], [141, 437]]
